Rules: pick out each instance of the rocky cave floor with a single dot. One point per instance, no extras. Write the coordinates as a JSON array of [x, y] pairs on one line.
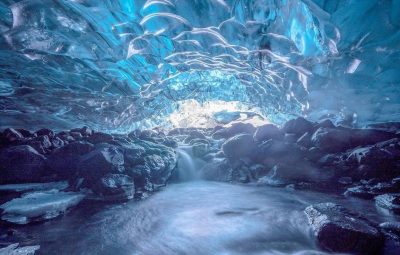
[[45, 174]]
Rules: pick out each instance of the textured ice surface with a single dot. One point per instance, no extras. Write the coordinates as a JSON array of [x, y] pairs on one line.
[[40, 205], [119, 64]]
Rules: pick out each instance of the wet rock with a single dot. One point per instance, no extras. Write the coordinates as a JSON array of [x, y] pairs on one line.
[[370, 189], [104, 160], [154, 166], [339, 230], [345, 180], [45, 131], [239, 146], [15, 249], [332, 140], [217, 170], [20, 164], [391, 230], [84, 131], [99, 137], [57, 142], [305, 140], [77, 136], [389, 201], [39, 206], [200, 149], [42, 141], [170, 142], [141, 175], [133, 155], [279, 151], [290, 138], [26, 133], [372, 162], [266, 132], [387, 126], [234, 129], [11, 135], [363, 137], [63, 161], [324, 124], [196, 134], [114, 187], [298, 126], [147, 134]]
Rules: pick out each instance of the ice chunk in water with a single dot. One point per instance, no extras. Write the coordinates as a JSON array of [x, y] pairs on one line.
[[40, 205]]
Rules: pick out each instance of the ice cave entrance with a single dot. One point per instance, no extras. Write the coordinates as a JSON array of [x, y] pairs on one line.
[[192, 113]]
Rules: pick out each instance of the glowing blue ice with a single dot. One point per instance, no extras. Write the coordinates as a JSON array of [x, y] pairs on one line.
[[111, 64]]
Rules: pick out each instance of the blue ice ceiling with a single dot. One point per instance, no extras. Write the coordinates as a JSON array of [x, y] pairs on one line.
[[117, 64]]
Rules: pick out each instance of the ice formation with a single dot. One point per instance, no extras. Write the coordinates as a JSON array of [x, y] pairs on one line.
[[119, 65]]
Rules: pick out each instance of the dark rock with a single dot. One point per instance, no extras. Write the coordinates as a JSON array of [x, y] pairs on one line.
[[314, 154], [279, 151], [239, 146], [290, 138], [63, 161], [170, 142], [57, 142], [114, 187], [44, 142], [200, 149], [389, 201], [25, 133], [197, 134], [84, 131], [339, 230], [217, 170], [298, 126], [370, 189], [363, 137], [141, 175], [387, 126], [235, 129], [305, 140], [372, 162], [99, 137], [332, 140], [21, 164], [45, 131], [11, 135], [345, 180], [153, 167], [133, 155], [391, 230], [77, 136], [324, 124], [266, 132], [107, 159]]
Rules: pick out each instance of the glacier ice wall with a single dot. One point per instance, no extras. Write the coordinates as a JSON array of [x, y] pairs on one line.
[[119, 64]]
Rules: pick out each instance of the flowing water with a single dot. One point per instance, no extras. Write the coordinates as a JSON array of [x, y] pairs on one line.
[[188, 165], [193, 218]]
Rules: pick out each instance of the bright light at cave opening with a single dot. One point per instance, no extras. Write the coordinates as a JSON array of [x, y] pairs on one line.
[[191, 113]]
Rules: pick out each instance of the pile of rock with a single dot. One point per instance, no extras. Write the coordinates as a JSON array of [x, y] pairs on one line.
[[111, 167]]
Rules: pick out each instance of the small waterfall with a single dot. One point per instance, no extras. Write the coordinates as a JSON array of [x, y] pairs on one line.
[[188, 165]]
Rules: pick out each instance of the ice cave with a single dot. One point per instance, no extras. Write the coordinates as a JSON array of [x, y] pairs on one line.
[[199, 127]]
